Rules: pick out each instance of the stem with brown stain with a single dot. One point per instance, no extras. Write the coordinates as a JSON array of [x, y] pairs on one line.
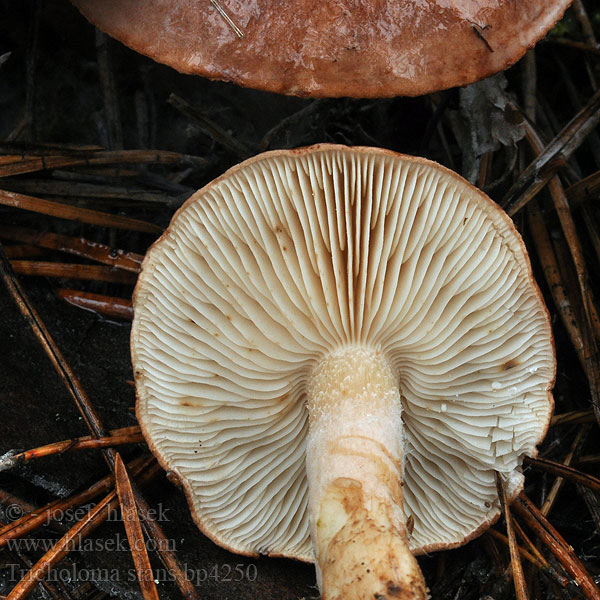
[[354, 471]]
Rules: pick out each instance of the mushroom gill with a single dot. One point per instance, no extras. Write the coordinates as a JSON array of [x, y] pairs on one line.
[[330, 341]]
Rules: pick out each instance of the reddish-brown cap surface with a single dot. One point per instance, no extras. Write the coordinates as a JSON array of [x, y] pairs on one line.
[[359, 48]]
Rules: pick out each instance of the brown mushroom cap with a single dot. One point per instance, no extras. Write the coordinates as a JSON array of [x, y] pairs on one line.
[[376, 48], [294, 255]]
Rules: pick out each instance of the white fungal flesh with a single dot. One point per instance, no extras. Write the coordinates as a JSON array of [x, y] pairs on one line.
[[293, 255]]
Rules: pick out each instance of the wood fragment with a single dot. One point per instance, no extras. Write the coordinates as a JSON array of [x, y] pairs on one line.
[[133, 528]]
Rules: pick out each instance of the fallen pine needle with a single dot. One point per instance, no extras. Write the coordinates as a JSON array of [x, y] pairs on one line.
[[133, 528], [108, 306]]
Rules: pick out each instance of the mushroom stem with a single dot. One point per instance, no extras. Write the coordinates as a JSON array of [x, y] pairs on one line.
[[354, 468]]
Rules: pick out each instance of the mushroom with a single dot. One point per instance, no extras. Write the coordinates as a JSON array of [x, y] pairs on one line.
[[331, 342], [371, 48]]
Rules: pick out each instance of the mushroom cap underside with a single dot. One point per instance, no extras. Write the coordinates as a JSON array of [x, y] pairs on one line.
[[377, 48], [294, 254]]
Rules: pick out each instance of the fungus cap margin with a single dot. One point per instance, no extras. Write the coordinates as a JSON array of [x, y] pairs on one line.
[[223, 203]]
